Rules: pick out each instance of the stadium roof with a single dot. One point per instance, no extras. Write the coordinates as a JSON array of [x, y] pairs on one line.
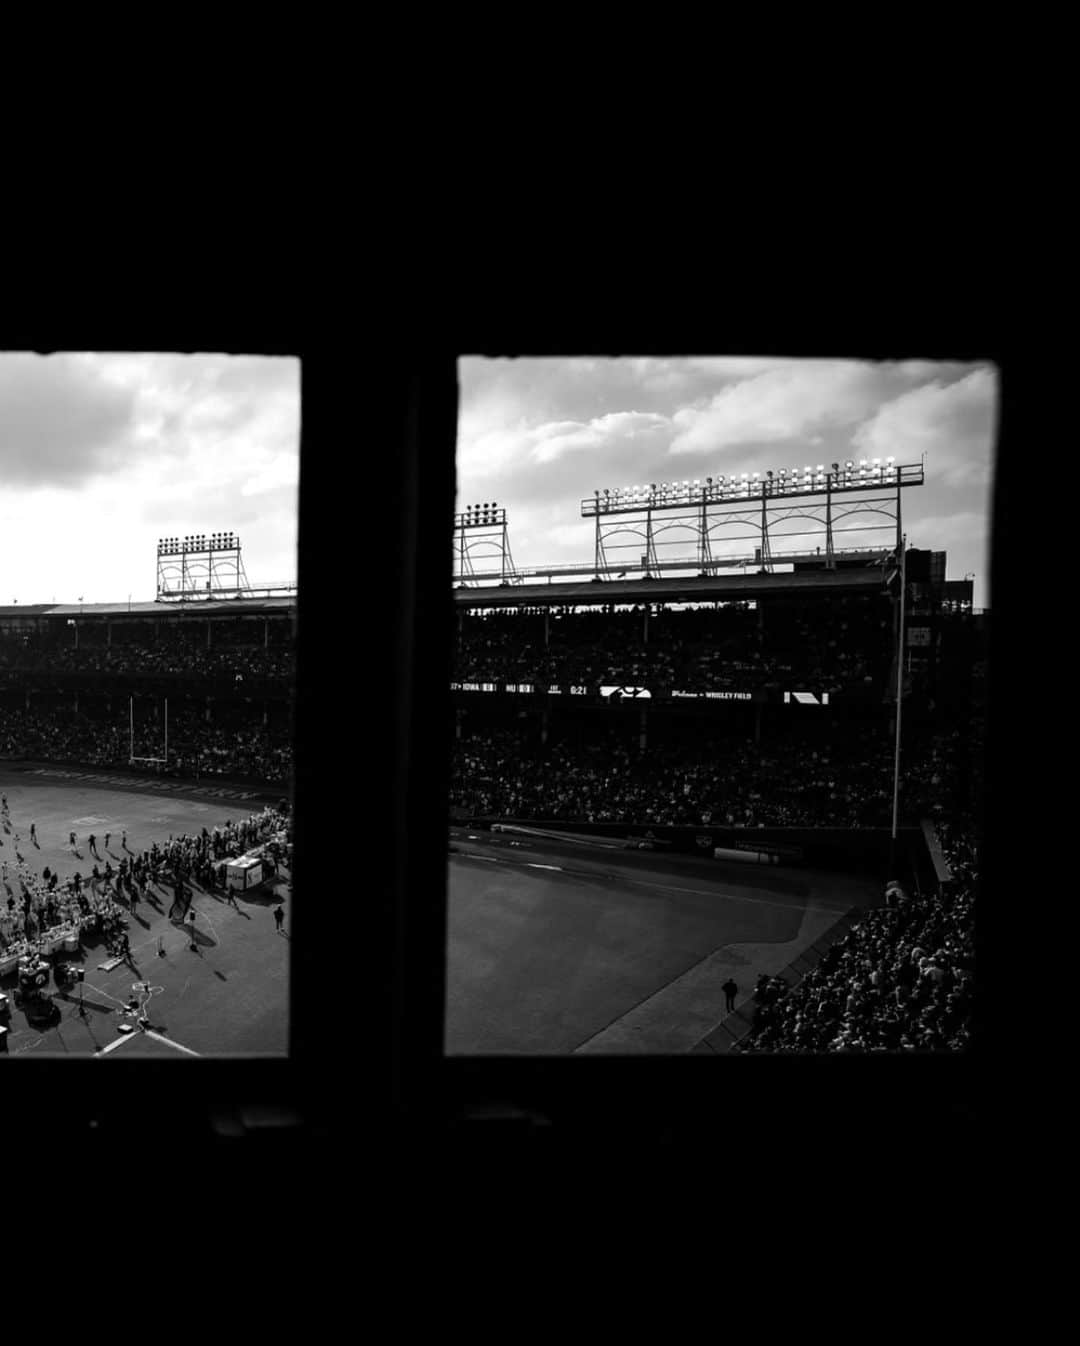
[[732, 588], [204, 608]]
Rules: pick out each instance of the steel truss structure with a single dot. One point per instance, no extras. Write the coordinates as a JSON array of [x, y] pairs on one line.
[[762, 505], [483, 530], [205, 566]]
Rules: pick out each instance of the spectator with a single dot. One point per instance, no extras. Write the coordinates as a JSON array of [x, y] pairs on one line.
[[890, 1012]]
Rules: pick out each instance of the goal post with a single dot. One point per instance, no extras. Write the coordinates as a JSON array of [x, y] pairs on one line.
[[157, 762]]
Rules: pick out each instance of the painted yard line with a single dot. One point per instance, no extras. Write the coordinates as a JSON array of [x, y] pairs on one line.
[[158, 1037], [118, 1043], [106, 994], [209, 922], [730, 897], [28, 1046], [644, 883]]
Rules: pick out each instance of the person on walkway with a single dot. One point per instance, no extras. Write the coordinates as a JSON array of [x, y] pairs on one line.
[[730, 991], [33, 833], [123, 841], [93, 846], [107, 836], [279, 917], [71, 841], [191, 919]]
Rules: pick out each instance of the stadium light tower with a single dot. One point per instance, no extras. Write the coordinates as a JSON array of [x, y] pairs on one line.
[[484, 527], [752, 499], [200, 566]]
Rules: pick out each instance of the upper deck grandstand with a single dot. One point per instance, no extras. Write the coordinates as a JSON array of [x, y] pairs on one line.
[[88, 684]]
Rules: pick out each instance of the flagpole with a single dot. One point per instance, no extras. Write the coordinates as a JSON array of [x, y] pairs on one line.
[[899, 689]]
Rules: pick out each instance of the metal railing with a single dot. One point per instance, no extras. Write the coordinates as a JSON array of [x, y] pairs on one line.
[[872, 554]]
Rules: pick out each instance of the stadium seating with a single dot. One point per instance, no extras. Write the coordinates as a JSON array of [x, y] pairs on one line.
[[842, 642], [64, 702], [710, 779], [901, 980]]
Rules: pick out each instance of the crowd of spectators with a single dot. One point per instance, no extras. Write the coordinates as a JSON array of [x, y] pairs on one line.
[[839, 642], [248, 751], [171, 654], [201, 858], [710, 780], [902, 979], [43, 903], [38, 902]]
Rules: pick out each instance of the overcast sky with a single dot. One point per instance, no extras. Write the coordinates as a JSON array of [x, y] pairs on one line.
[[540, 435], [100, 455]]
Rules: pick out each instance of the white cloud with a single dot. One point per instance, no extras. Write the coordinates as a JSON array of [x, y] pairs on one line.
[[280, 470], [571, 535], [966, 524], [952, 424], [540, 435], [111, 452], [778, 404], [570, 437], [488, 444], [743, 366]]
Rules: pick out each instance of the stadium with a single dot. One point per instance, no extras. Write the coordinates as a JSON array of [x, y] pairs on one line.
[[715, 803], [146, 771], [683, 816]]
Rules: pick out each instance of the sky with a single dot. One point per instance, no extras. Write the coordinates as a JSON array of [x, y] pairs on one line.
[[102, 454], [538, 436]]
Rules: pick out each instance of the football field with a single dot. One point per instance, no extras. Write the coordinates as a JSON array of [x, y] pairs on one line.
[[228, 997], [557, 949]]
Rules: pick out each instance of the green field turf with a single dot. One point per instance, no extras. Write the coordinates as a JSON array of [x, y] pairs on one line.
[[228, 998]]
